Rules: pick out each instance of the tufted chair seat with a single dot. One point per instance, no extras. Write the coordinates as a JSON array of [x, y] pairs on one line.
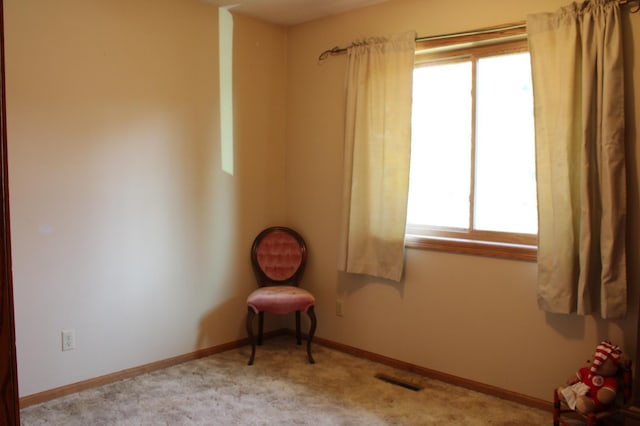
[[278, 257], [280, 299]]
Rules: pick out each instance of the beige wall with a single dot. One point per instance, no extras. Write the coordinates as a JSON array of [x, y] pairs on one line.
[[124, 227], [468, 316]]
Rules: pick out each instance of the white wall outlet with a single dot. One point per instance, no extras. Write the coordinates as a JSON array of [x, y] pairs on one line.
[[340, 307], [68, 340]]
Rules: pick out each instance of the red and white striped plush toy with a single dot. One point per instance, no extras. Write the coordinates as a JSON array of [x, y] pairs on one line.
[[595, 387]]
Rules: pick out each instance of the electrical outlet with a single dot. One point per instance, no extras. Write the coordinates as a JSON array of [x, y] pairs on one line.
[[340, 307], [68, 340]]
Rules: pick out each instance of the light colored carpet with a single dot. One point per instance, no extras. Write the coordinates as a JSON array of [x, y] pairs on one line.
[[281, 388]]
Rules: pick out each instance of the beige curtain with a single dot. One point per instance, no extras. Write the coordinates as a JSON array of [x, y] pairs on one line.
[[377, 151], [577, 67]]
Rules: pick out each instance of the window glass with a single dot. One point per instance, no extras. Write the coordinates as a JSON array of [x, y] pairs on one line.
[[441, 146], [505, 186]]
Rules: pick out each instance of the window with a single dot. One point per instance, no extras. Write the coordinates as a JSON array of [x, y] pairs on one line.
[[472, 183]]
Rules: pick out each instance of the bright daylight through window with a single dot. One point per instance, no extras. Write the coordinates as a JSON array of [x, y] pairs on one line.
[[472, 181]]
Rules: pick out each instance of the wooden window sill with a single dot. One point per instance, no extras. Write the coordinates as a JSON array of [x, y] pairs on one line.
[[473, 247]]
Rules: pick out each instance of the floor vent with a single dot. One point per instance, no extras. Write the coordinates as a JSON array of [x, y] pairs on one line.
[[398, 382]]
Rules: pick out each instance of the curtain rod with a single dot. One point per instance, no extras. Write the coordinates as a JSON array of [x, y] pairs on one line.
[[340, 50]]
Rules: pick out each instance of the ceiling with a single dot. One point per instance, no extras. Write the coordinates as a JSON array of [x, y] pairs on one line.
[[292, 12]]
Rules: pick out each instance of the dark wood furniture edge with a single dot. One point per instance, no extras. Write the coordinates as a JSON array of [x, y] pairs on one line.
[[632, 412], [10, 414]]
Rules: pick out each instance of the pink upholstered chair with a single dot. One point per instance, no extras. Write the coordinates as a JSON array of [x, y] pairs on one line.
[[278, 257]]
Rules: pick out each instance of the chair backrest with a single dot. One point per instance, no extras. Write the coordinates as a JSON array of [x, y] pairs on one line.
[[278, 256], [625, 374]]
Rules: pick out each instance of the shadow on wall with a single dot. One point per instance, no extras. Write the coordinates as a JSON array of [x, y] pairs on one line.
[[349, 284], [215, 325], [573, 327]]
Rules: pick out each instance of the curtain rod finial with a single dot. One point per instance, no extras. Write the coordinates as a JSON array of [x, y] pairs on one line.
[[333, 51]]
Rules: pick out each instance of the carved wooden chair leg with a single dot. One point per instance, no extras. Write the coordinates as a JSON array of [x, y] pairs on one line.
[[298, 333], [252, 339], [556, 408], [312, 330], [260, 327]]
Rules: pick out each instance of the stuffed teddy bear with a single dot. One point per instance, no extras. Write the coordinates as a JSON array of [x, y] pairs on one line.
[[594, 387]]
